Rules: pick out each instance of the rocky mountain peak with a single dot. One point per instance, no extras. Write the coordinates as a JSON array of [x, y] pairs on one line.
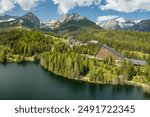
[[73, 16], [119, 23], [31, 19]]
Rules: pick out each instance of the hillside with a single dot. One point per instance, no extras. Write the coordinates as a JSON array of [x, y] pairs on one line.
[[74, 22], [74, 61], [7, 18], [28, 20], [122, 23], [144, 25], [119, 23]]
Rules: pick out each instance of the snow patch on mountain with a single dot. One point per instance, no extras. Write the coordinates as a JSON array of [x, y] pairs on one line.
[[73, 16], [65, 18], [11, 19], [118, 23], [48, 24]]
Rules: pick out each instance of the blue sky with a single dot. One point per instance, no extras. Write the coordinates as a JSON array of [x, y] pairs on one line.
[[54, 9]]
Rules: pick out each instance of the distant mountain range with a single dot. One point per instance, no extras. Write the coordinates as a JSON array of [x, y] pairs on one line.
[[66, 23], [70, 22], [120, 23], [7, 18], [73, 22], [27, 20], [64, 19], [143, 25]]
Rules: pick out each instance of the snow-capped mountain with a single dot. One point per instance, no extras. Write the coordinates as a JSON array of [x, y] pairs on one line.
[[68, 18], [119, 23], [73, 16], [125, 23], [52, 24], [73, 22], [68, 21], [48, 24]]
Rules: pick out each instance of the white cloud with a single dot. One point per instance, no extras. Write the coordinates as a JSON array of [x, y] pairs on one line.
[[126, 5], [7, 5], [27, 4], [65, 5], [118, 5], [106, 18]]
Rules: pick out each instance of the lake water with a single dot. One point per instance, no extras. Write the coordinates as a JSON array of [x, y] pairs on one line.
[[31, 81]]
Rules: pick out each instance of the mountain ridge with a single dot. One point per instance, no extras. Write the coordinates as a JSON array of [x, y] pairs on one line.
[[72, 22], [6, 18], [27, 20], [69, 24], [143, 25], [119, 23]]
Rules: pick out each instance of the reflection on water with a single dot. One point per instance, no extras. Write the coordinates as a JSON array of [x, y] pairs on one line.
[[31, 81]]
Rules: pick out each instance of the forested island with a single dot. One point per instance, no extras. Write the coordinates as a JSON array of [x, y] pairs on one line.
[[76, 59]]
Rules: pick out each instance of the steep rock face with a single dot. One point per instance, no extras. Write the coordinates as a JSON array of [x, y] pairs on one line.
[[73, 16], [143, 25], [29, 20], [48, 24], [120, 23], [73, 22]]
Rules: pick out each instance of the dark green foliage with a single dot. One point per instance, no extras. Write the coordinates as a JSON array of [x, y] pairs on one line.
[[4, 58], [20, 59], [96, 74], [128, 70], [77, 61], [148, 60], [25, 42], [147, 73], [119, 40], [68, 64]]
